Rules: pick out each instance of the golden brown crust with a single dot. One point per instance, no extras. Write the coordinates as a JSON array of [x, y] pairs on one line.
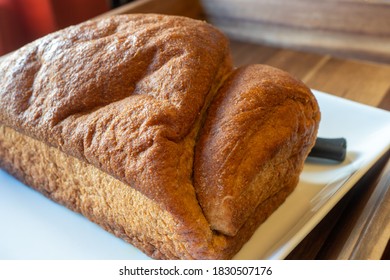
[[121, 93], [258, 132], [125, 98]]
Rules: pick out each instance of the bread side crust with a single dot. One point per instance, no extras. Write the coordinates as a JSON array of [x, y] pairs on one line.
[[85, 189], [98, 196], [115, 206]]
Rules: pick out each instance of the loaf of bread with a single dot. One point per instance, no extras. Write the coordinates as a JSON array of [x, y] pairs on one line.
[[140, 123]]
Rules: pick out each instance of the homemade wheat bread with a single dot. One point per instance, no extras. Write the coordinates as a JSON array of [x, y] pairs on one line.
[[140, 123]]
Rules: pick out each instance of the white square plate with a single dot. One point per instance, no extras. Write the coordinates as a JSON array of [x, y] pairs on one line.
[[33, 227]]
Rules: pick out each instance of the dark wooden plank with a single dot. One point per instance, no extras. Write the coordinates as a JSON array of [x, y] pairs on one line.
[[344, 28], [339, 233], [367, 83], [363, 229]]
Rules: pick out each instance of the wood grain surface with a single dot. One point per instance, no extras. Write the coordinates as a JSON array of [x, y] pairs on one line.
[[367, 234], [350, 28], [362, 81]]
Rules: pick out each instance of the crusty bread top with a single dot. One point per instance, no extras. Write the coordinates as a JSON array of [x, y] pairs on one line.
[[166, 62]]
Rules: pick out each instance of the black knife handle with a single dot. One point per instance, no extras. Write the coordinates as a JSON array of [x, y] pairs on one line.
[[330, 148]]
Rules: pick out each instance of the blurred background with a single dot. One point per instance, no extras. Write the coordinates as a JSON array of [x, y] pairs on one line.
[[346, 28], [22, 21]]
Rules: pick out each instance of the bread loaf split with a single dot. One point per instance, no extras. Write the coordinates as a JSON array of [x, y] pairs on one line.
[[141, 123]]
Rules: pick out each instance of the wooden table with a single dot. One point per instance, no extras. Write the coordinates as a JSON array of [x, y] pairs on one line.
[[358, 227]]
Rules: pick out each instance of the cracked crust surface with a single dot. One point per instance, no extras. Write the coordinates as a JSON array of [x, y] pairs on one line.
[[125, 99]]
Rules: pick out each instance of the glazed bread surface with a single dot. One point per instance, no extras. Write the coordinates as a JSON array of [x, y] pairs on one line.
[[140, 123]]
